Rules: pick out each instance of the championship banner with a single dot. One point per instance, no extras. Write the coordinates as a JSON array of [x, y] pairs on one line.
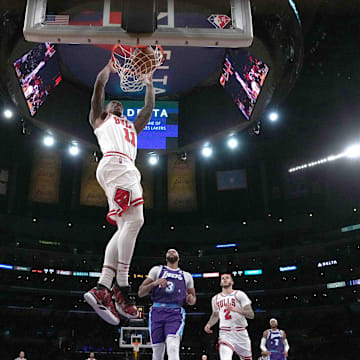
[[45, 177], [91, 193], [181, 184], [231, 179], [147, 180]]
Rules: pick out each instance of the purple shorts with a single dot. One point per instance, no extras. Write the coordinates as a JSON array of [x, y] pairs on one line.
[[277, 356], [164, 322]]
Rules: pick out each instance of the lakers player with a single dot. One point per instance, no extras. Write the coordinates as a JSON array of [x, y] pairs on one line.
[[170, 289], [232, 307], [274, 342], [120, 180]]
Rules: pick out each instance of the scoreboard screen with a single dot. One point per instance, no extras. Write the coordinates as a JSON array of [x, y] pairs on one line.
[[161, 133]]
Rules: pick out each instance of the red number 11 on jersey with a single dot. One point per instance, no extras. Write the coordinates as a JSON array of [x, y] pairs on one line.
[[127, 136]]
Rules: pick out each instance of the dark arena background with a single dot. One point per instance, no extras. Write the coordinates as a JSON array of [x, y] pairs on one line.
[[257, 178]]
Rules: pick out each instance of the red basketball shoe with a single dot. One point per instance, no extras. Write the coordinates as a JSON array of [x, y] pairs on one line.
[[123, 304], [101, 301]]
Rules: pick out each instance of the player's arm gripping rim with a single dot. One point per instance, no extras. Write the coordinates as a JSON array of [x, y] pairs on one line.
[[145, 113], [214, 318], [247, 310], [148, 284], [263, 348], [97, 113]]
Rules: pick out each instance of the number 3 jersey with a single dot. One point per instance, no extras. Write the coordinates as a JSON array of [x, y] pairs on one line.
[[178, 281], [117, 135], [230, 320]]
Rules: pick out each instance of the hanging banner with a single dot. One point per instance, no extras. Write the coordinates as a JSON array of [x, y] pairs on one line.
[[231, 179], [147, 180], [181, 184], [4, 178], [91, 193], [45, 176]]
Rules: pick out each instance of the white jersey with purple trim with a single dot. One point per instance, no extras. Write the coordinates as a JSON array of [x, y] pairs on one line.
[[230, 320], [117, 136]]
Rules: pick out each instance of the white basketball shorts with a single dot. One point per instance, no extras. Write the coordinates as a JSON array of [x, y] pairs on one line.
[[120, 179]]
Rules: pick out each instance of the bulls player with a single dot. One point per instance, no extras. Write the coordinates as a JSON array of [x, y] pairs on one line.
[[274, 342], [120, 180], [232, 307], [170, 288]]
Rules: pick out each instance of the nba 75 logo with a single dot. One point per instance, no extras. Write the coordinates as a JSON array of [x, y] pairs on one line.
[[218, 21]]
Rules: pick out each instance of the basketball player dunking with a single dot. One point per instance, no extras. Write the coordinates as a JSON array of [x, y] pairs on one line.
[[120, 180], [233, 307], [170, 288], [274, 342]]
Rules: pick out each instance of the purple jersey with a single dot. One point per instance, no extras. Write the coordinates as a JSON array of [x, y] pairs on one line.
[[175, 290], [275, 344]]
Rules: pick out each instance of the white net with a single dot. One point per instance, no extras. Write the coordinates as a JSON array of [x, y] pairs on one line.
[[135, 64]]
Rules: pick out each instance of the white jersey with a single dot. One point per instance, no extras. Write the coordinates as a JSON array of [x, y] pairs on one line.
[[230, 320], [117, 136]]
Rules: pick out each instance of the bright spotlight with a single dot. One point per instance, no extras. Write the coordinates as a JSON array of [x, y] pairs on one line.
[[273, 116], [153, 159], [74, 149], [233, 143], [8, 114], [353, 151], [48, 140], [207, 151]]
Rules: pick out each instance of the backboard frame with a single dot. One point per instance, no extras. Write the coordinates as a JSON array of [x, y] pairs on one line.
[[131, 346], [240, 35]]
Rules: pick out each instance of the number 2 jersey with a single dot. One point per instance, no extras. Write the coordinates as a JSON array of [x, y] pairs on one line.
[[117, 136], [230, 320]]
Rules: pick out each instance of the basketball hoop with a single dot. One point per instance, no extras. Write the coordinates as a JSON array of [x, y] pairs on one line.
[[135, 65], [136, 348]]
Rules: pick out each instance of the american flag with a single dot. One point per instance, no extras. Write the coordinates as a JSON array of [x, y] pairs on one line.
[[57, 19]]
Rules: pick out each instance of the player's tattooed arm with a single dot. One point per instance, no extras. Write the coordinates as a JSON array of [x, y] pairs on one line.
[[98, 96], [214, 318], [148, 284], [247, 310], [145, 113]]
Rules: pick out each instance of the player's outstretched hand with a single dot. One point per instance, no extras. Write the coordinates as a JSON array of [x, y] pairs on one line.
[[161, 283], [207, 329], [231, 308], [267, 353], [110, 65]]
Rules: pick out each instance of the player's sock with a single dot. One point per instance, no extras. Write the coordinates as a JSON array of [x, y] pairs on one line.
[[158, 351], [173, 347], [225, 352], [106, 277], [110, 262], [132, 221]]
